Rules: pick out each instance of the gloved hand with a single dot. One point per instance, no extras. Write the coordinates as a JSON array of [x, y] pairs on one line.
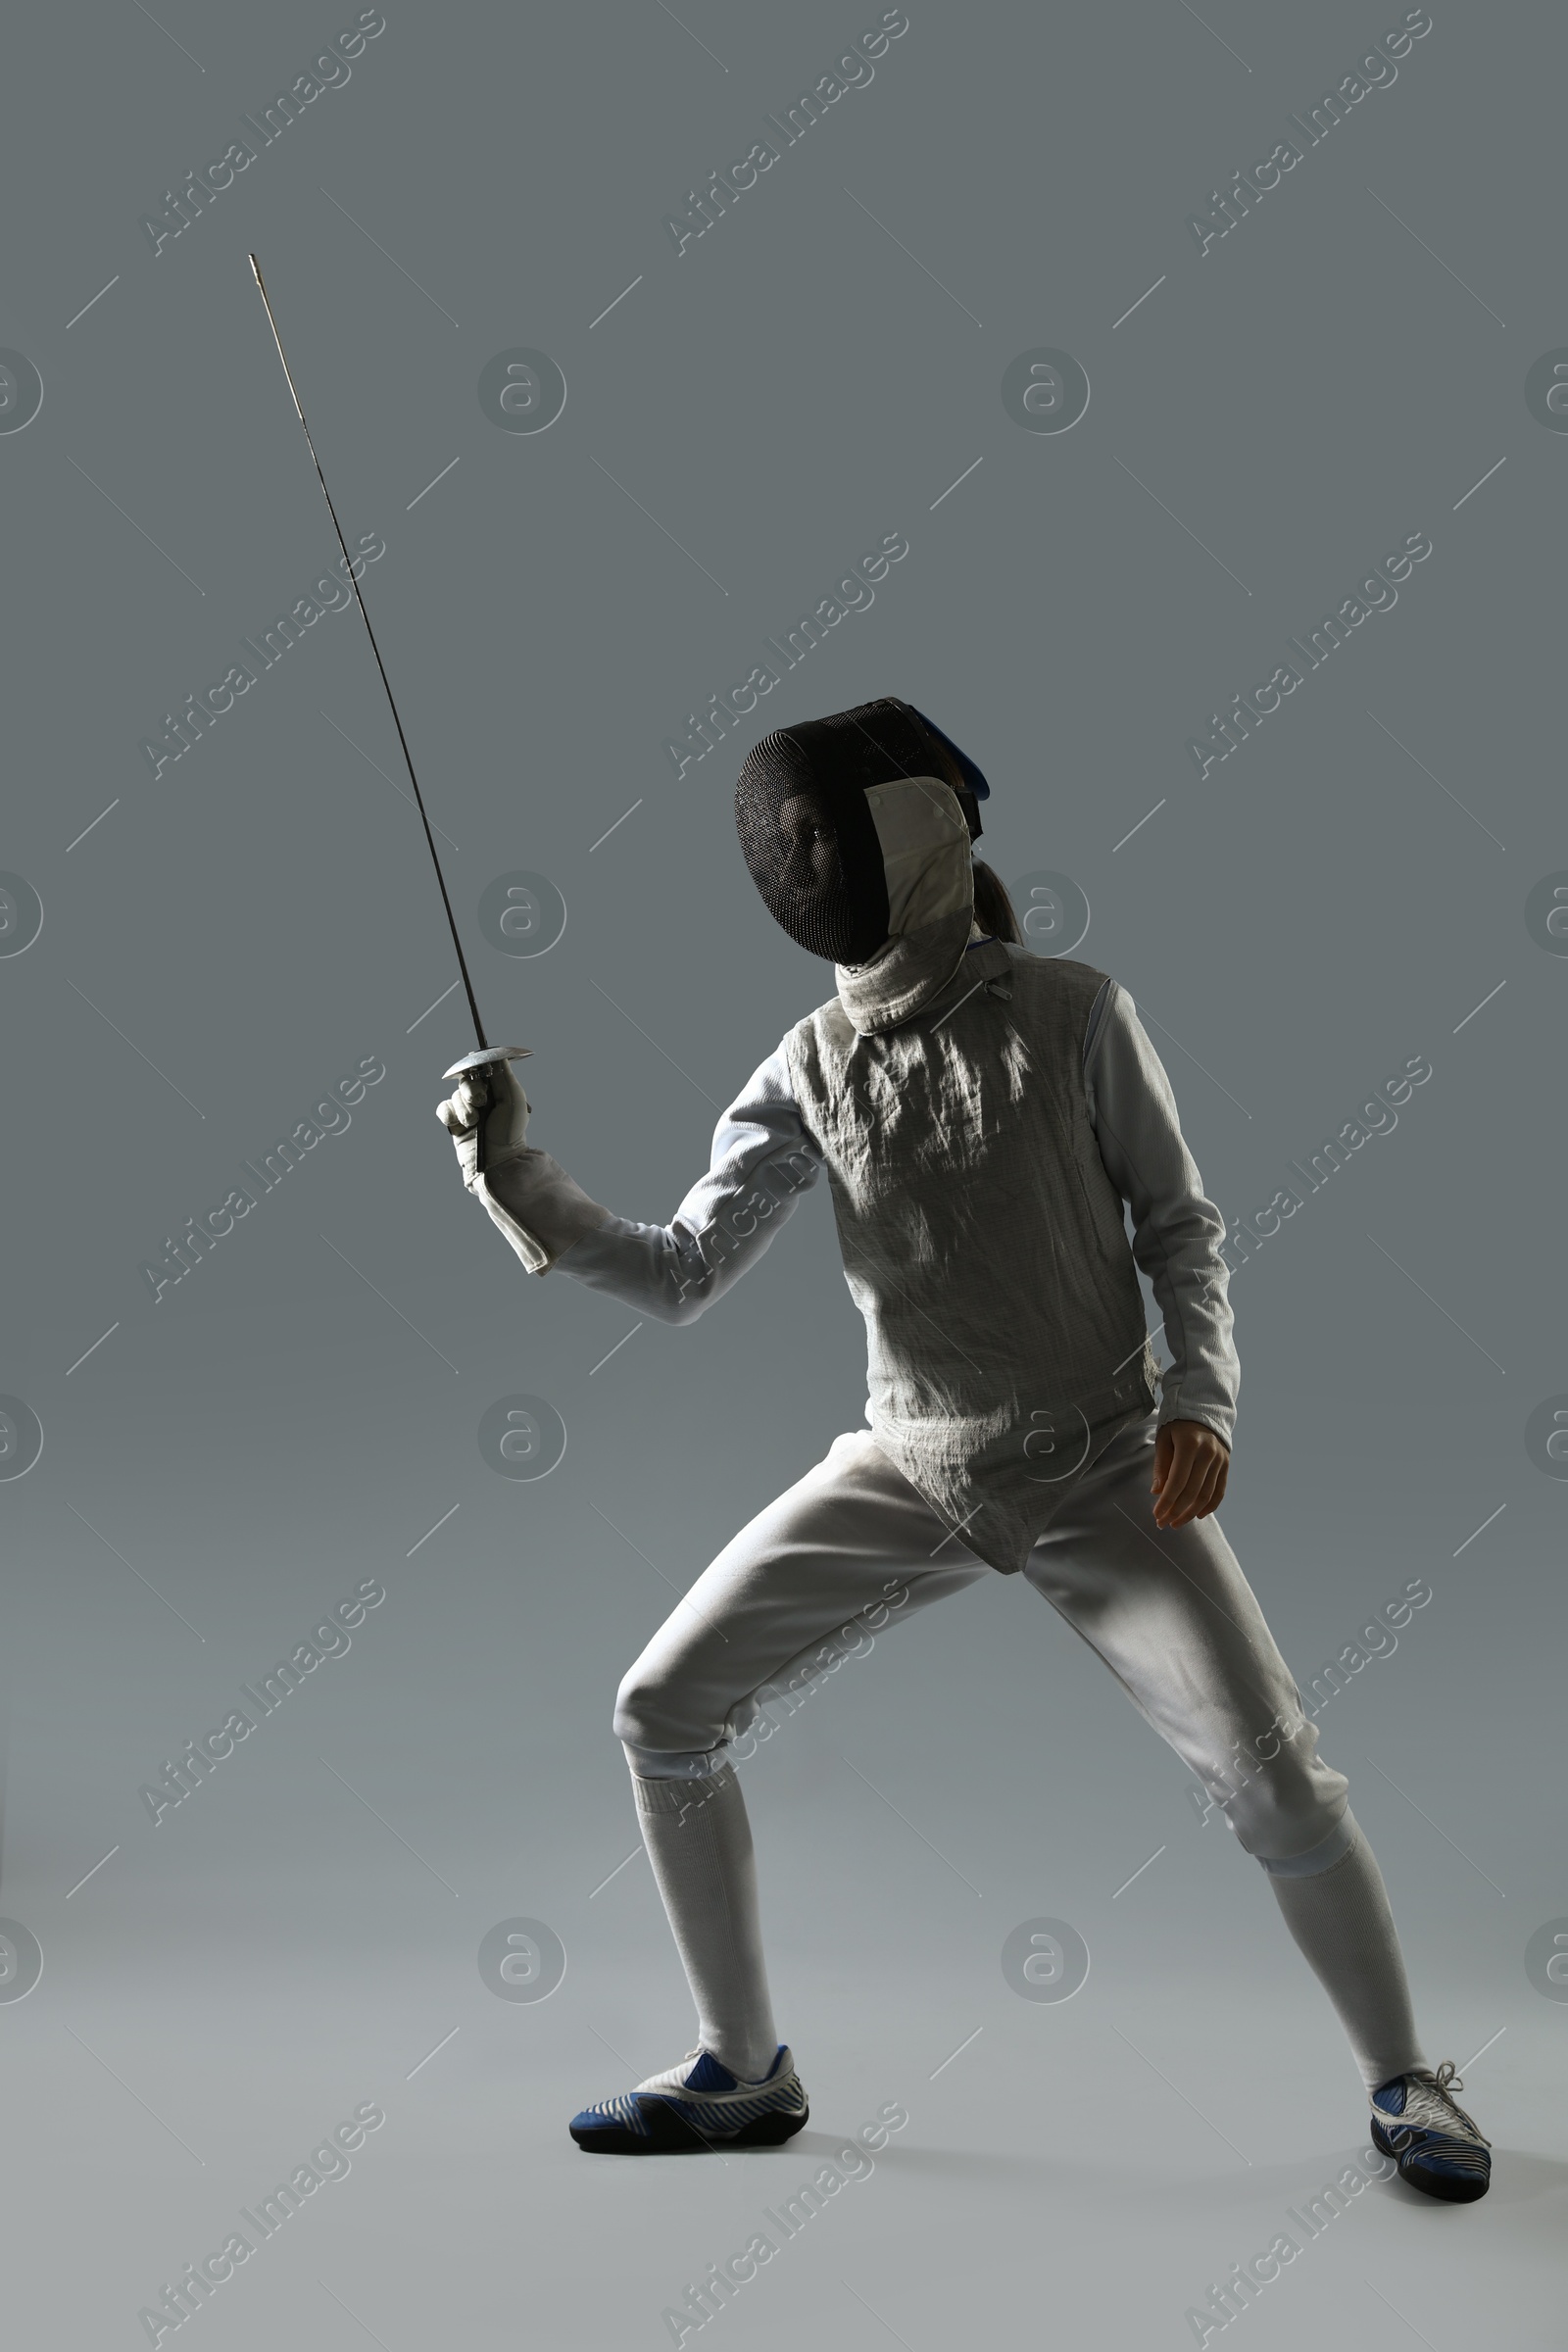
[[491, 1096]]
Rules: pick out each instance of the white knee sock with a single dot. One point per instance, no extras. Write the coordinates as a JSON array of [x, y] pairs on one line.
[[1339, 1918], [698, 1842]]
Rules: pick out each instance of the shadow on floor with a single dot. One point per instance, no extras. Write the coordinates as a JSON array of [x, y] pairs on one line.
[[1524, 2184]]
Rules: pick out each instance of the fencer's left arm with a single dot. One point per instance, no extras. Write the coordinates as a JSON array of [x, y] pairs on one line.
[[1177, 1230]]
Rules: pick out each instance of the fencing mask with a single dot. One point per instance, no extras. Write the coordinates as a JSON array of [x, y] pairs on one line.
[[857, 830]]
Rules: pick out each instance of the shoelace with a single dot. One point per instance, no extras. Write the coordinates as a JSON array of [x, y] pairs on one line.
[[1444, 2082]]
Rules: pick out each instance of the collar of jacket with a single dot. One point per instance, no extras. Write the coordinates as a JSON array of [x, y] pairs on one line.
[[910, 974]]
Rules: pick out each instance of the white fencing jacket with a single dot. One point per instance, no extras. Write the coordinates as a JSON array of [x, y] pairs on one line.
[[765, 1154]]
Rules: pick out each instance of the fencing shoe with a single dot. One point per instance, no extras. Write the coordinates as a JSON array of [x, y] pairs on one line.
[[1434, 2143], [695, 2106]]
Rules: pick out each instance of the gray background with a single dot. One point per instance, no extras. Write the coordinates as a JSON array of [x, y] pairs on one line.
[[756, 413]]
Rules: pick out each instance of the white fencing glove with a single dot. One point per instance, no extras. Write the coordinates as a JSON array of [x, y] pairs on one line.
[[492, 1095], [528, 1196]]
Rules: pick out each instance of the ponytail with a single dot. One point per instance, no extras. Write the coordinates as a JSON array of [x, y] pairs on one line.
[[992, 909]]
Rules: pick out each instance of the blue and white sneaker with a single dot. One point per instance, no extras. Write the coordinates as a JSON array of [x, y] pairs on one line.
[[695, 2106], [1434, 2143]]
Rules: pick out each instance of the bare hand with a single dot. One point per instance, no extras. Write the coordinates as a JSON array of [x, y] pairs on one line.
[[1190, 1467]]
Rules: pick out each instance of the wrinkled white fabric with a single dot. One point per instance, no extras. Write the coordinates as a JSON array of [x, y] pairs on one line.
[[982, 1237], [806, 1590], [852, 1549], [513, 1170], [925, 850], [930, 877], [494, 1096], [906, 974], [762, 1158]]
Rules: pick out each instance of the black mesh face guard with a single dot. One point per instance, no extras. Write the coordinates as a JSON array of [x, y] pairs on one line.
[[805, 828]]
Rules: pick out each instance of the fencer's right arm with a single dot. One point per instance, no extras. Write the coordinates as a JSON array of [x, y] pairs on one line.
[[529, 1195], [763, 1159]]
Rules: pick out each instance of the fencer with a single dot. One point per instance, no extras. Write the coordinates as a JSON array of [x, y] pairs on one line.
[[982, 1114]]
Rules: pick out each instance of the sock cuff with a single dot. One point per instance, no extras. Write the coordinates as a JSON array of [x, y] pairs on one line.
[[664, 1764], [1317, 1858], [677, 1798]]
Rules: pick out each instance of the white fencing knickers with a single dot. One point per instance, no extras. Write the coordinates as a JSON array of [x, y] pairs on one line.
[[851, 1549]]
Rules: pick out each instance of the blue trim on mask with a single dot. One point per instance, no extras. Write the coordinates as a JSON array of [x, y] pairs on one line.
[[972, 775]]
